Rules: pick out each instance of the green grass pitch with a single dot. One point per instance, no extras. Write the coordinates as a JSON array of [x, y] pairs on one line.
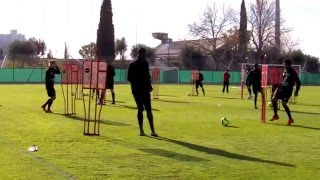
[[192, 145]]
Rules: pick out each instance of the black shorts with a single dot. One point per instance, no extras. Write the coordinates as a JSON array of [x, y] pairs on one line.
[[198, 83], [283, 94], [143, 101], [256, 89], [110, 85], [50, 91]]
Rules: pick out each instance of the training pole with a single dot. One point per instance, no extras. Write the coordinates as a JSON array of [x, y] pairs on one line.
[[264, 86]]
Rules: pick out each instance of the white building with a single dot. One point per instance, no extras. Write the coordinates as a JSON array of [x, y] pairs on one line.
[[7, 39]]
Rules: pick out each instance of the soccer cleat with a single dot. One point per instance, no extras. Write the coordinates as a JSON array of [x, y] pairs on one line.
[[275, 117], [249, 97], [142, 134], [49, 111], [154, 134], [290, 122], [44, 108], [256, 107]]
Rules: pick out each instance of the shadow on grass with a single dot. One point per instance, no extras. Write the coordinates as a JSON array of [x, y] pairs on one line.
[[170, 101], [302, 104], [121, 102], [166, 95], [219, 97], [223, 153], [301, 112], [235, 127], [107, 122], [297, 126], [127, 107], [172, 155]]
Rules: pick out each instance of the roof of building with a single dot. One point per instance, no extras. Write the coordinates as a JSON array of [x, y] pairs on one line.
[[174, 48]]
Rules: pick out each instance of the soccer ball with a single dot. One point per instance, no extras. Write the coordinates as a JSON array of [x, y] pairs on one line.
[[270, 104], [224, 121]]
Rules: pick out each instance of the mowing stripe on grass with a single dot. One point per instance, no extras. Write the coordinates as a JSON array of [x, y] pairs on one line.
[[38, 159]]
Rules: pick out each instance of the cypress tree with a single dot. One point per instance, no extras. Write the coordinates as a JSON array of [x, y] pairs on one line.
[[243, 34], [105, 35]]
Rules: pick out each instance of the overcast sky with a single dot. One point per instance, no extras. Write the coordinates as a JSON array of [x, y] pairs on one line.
[[75, 21]]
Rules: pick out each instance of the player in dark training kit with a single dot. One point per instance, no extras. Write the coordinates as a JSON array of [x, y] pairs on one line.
[[284, 92], [254, 77], [139, 77], [199, 83], [109, 85], [49, 79]]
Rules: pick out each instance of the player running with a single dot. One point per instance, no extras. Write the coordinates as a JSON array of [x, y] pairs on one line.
[[284, 92]]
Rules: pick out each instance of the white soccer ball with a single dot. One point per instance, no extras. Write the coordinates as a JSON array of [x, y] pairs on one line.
[[224, 121]]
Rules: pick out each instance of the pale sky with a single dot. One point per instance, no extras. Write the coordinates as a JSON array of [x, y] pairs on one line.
[[76, 21]]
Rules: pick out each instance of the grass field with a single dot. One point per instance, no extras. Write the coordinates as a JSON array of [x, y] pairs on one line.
[[192, 144]]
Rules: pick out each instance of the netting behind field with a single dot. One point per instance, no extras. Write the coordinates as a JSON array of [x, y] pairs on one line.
[[211, 77], [37, 75]]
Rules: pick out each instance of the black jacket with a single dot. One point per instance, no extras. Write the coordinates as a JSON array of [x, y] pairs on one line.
[[139, 76], [290, 77], [254, 77], [50, 75], [110, 74]]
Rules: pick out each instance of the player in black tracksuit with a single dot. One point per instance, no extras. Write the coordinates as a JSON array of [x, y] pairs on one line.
[[200, 84], [49, 80], [139, 77], [109, 84], [284, 92], [254, 77]]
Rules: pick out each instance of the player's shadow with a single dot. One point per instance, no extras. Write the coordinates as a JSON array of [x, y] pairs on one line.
[[173, 155], [107, 122], [128, 107], [297, 126], [170, 101], [165, 95], [302, 112], [312, 105], [219, 97], [235, 127], [223, 153], [157, 152], [109, 101]]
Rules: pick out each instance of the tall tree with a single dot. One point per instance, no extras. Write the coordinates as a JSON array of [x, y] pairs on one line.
[[22, 53], [105, 35], [88, 51], [150, 52], [40, 45], [192, 58], [121, 47], [262, 22], [214, 22], [243, 31]]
